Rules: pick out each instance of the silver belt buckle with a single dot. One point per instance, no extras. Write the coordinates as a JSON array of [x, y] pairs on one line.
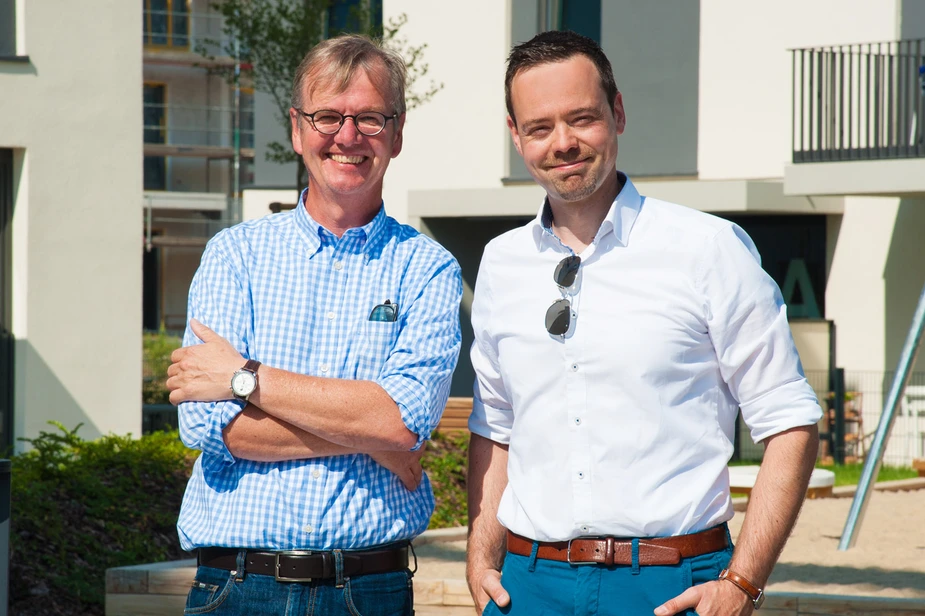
[[568, 555], [280, 578]]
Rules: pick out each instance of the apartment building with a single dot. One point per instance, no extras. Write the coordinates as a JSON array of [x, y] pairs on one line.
[[70, 217]]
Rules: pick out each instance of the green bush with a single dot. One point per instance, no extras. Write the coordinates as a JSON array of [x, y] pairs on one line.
[[156, 349], [80, 507], [445, 463]]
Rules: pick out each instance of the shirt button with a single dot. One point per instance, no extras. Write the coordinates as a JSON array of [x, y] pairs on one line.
[[585, 529], [578, 421], [331, 316], [574, 367], [316, 473], [308, 528], [324, 367], [338, 265], [581, 475]]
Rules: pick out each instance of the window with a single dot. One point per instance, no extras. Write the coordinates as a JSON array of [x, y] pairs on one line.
[[7, 28], [166, 23], [581, 16], [6, 290], [354, 16], [155, 131]]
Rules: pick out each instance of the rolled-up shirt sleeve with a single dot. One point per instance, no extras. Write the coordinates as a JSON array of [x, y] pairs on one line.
[[747, 320], [419, 369], [492, 414], [218, 300]]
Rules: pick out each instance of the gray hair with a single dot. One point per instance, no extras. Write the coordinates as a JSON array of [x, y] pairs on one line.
[[333, 63]]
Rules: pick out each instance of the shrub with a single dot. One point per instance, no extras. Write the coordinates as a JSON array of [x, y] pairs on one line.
[[81, 507], [156, 348], [445, 463]]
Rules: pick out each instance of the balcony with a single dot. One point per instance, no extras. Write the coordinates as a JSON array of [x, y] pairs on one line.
[[203, 131], [858, 119], [185, 38]]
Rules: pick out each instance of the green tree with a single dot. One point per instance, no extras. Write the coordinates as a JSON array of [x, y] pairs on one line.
[[270, 38]]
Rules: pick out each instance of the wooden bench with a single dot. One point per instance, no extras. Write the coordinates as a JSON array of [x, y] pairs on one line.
[[456, 414], [742, 480], [919, 465]]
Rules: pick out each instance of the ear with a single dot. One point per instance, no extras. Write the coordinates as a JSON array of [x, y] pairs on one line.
[[397, 142], [294, 116], [515, 136], [619, 113]]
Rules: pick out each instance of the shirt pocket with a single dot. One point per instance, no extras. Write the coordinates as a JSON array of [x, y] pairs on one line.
[[378, 339]]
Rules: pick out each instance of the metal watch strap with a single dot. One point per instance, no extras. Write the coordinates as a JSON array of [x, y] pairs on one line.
[[754, 593]]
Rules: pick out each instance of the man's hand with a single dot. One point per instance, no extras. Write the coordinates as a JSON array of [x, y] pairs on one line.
[[485, 585], [406, 465], [202, 372], [716, 598]]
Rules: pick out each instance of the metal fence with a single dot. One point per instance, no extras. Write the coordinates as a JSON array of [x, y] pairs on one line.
[[859, 102], [198, 125], [866, 394]]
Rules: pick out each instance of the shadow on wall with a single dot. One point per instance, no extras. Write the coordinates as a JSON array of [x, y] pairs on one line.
[[466, 239], [41, 397], [904, 278]]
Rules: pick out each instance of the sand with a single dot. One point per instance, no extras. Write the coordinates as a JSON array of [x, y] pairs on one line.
[[888, 559]]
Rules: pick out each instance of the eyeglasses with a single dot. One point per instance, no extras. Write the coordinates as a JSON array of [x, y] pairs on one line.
[[327, 122], [386, 311], [559, 315]]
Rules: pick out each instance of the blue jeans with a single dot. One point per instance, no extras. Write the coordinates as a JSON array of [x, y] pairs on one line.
[[218, 592], [550, 588]]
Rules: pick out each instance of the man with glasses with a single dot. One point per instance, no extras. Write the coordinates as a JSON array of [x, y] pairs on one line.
[[332, 335], [616, 338]]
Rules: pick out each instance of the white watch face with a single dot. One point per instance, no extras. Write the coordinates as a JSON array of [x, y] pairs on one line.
[[243, 383]]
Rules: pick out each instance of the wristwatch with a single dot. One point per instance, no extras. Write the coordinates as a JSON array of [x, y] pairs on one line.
[[754, 593], [244, 381]]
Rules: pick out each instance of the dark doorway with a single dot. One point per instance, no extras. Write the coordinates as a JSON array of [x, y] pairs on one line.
[[151, 289], [6, 303]]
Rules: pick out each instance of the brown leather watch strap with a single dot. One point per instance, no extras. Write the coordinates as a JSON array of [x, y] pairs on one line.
[[251, 365], [754, 593]]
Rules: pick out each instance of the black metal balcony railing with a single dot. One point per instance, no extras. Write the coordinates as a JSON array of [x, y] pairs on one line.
[[859, 102]]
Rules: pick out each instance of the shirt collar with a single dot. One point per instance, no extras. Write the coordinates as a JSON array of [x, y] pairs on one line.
[[316, 235], [619, 219]]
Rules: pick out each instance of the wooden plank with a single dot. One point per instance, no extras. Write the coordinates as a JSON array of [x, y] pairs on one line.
[[144, 605], [919, 465], [456, 414], [174, 580]]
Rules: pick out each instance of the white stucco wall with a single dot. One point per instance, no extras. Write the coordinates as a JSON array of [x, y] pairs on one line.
[[73, 114], [746, 75], [458, 139]]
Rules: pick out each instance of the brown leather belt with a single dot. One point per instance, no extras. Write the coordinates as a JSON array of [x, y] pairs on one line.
[[304, 565], [618, 551]]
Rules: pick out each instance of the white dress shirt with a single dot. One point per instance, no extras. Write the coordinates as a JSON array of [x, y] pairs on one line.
[[625, 425]]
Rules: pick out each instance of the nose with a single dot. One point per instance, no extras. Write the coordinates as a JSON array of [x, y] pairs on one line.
[[348, 132], [564, 139]]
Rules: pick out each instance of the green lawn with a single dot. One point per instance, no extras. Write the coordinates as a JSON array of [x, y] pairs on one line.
[[850, 474]]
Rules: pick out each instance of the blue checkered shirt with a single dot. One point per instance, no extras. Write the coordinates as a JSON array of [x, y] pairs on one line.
[[287, 292]]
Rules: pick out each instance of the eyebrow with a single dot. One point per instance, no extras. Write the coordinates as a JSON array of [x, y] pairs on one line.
[[574, 112]]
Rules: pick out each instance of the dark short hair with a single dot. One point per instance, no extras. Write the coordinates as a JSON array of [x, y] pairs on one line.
[[557, 46]]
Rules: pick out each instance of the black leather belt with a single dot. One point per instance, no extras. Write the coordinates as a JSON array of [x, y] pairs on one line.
[[304, 565]]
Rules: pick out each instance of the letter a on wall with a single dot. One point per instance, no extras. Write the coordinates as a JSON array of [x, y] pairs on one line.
[[798, 277]]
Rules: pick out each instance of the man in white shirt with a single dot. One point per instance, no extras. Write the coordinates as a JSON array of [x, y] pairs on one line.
[[616, 338]]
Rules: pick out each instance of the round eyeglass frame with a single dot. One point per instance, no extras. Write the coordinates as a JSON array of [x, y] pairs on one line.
[[343, 118]]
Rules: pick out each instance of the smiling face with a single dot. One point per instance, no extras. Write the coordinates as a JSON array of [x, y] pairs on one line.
[[346, 169], [565, 129]]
